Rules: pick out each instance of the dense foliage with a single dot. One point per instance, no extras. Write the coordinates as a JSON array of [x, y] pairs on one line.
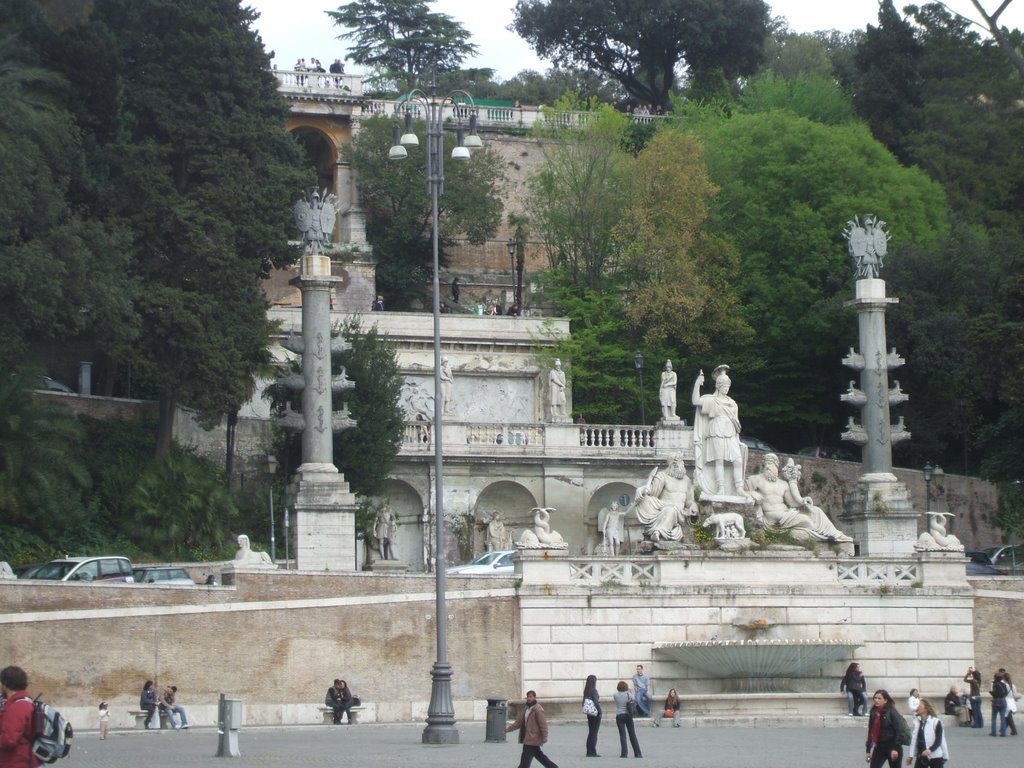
[[398, 207], [401, 40], [643, 43]]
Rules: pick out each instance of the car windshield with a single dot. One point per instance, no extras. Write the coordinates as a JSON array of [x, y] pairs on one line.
[[485, 559], [56, 570], [505, 559]]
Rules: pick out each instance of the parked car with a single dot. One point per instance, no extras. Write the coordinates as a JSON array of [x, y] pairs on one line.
[[829, 452], [757, 444], [103, 569], [980, 564], [52, 385], [499, 563], [1008, 558], [161, 574], [27, 571]]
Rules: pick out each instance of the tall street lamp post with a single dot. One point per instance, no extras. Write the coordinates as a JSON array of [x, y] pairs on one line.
[[511, 244], [638, 361], [927, 472], [270, 469], [440, 727]]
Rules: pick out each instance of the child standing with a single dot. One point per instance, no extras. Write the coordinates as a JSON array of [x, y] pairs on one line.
[[104, 720]]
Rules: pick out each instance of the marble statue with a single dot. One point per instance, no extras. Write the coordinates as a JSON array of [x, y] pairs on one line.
[[610, 522], [727, 525], [6, 572], [868, 244], [781, 506], [665, 503], [556, 390], [314, 218], [248, 556], [542, 537], [497, 536], [667, 393], [936, 537], [385, 530], [716, 438], [447, 386]]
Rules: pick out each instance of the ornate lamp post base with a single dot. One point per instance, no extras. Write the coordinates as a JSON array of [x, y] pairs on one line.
[[441, 714]]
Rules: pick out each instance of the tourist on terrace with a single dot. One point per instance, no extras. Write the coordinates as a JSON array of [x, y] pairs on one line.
[[883, 742], [643, 692], [973, 679], [913, 699]]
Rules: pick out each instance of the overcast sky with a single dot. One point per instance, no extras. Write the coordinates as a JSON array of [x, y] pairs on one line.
[[300, 28]]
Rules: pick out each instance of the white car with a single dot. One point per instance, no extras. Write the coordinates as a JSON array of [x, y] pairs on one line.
[[497, 563]]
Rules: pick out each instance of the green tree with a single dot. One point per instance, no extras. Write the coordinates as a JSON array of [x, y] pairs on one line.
[[644, 43], [197, 164], [402, 39], [787, 185], [398, 207], [64, 273], [37, 462], [887, 84], [367, 452], [578, 196]]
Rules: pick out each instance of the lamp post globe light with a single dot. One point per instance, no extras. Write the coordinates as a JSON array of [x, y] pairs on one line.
[[927, 471], [440, 727]]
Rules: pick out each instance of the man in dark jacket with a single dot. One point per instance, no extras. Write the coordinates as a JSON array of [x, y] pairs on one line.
[[532, 725], [16, 721]]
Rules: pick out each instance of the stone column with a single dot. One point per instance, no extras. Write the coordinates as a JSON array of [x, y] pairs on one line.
[[878, 513]]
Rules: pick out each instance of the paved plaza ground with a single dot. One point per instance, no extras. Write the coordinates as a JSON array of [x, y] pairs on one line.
[[400, 745]]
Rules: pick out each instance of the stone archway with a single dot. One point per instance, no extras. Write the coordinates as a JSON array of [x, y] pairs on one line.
[[407, 505], [603, 497], [321, 153], [512, 500]]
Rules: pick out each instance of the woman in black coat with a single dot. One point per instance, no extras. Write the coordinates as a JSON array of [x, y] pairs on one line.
[[884, 732], [593, 721]]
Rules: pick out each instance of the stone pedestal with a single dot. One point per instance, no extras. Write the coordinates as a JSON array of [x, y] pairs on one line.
[[674, 437], [325, 515], [880, 516]]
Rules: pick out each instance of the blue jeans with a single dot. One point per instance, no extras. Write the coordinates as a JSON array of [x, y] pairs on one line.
[[854, 701], [642, 704], [999, 709], [976, 715]]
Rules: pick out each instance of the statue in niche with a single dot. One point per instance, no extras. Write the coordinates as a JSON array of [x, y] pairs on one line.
[[781, 506], [314, 218], [868, 244], [247, 556], [716, 438], [447, 386], [665, 503], [542, 537], [936, 537], [667, 393], [385, 531], [497, 535], [556, 390], [610, 522]]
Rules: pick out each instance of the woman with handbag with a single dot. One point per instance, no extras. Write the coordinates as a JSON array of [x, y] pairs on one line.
[[671, 709], [625, 711], [927, 739], [592, 709], [884, 732]]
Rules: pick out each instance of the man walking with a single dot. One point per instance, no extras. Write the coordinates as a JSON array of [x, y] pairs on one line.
[[16, 720], [532, 725]]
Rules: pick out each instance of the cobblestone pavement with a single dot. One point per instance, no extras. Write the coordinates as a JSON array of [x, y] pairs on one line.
[[400, 745]]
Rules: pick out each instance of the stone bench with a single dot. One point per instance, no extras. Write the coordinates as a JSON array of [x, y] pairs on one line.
[[141, 716], [353, 713]]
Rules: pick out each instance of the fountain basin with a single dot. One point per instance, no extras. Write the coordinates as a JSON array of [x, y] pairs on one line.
[[756, 658]]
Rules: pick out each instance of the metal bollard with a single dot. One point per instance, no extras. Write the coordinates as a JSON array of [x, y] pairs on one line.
[[229, 723]]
